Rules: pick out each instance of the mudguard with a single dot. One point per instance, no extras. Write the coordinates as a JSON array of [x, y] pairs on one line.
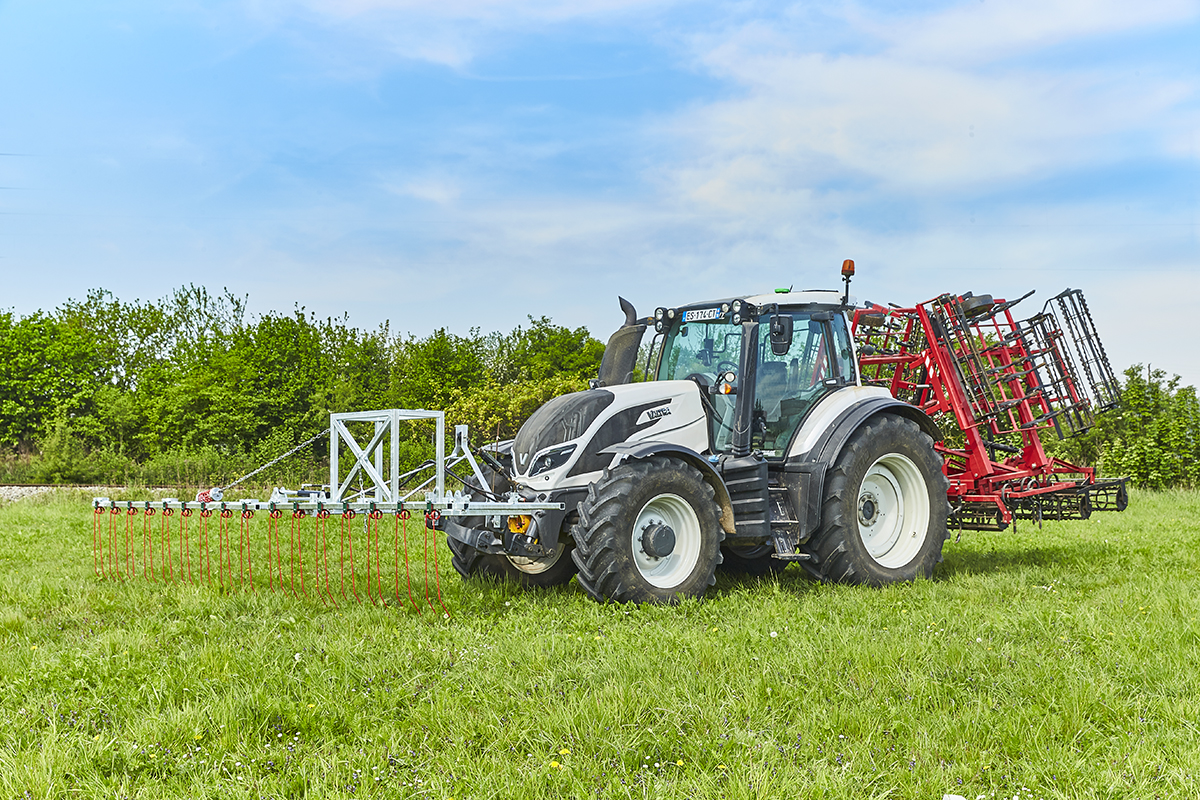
[[804, 475], [646, 449]]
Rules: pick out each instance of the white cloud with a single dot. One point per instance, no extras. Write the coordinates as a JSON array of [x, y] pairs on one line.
[[503, 12], [450, 33], [815, 132], [438, 190], [810, 119], [977, 32]]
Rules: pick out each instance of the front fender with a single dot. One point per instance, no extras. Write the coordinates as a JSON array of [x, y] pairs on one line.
[[646, 449]]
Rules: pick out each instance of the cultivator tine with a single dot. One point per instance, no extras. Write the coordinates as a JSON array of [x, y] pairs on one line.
[[1064, 405], [374, 576], [227, 539], [130, 569], [321, 555], [348, 540], [273, 540], [147, 543], [204, 567], [164, 532], [1102, 386], [185, 543], [955, 332]]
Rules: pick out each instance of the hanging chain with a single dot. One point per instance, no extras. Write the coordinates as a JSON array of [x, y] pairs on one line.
[[270, 464]]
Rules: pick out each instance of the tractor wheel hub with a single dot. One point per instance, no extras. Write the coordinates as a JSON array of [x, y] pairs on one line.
[[658, 540], [868, 509]]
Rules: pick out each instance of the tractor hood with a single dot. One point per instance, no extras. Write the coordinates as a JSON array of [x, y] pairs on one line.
[[566, 437]]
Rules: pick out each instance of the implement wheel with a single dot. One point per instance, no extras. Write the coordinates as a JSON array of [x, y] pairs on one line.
[[648, 533], [884, 512]]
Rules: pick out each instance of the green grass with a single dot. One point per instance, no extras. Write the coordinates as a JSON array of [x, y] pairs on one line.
[[1039, 663]]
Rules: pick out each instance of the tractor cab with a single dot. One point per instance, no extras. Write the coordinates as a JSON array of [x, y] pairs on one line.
[[777, 355]]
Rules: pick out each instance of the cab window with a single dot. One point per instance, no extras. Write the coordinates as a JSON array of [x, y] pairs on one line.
[[788, 385]]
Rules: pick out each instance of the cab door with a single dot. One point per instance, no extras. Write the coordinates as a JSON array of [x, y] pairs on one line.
[[795, 372]]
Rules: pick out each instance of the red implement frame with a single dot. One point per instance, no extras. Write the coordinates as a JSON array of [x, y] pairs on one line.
[[967, 362]]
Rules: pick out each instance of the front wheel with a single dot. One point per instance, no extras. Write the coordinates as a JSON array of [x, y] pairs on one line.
[[648, 533], [884, 512]]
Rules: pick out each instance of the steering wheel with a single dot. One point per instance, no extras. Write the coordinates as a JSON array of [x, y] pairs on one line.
[[726, 366]]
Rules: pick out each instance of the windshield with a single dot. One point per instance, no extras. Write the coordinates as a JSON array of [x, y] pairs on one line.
[[817, 361]]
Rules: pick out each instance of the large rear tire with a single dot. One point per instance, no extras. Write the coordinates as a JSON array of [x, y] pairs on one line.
[[648, 533], [884, 512]]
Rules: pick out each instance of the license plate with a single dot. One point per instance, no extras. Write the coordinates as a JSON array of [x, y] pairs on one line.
[[701, 314]]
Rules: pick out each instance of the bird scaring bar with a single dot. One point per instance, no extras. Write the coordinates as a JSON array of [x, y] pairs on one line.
[[345, 545]]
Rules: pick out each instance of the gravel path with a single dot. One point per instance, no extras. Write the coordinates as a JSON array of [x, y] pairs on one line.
[[9, 494]]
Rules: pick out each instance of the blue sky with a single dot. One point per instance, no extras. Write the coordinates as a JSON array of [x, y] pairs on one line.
[[466, 163]]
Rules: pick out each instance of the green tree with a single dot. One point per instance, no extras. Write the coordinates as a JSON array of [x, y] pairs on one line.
[[544, 351], [1155, 434], [47, 369]]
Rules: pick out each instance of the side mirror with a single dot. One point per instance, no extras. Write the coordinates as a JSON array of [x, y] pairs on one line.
[[781, 334]]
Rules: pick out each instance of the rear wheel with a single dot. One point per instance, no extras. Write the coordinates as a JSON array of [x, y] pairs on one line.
[[884, 513], [648, 533]]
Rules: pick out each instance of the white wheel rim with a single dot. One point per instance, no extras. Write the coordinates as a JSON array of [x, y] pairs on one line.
[[674, 568], [893, 510], [536, 566]]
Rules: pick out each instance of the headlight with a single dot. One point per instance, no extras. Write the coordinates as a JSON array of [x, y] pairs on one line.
[[737, 306], [658, 326], [659, 313], [550, 459]]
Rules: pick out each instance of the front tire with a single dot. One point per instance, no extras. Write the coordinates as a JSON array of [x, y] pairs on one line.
[[648, 533], [885, 507]]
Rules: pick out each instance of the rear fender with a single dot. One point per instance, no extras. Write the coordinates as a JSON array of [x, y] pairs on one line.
[[638, 450]]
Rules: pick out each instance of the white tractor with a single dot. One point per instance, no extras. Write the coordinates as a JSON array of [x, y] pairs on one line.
[[750, 443]]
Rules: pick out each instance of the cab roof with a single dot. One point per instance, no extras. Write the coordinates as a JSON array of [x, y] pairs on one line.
[[829, 297]]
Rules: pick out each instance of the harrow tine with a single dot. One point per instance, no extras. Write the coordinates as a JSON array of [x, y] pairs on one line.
[[162, 549], [148, 544], [248, 571], [130, 564], [404, 514]]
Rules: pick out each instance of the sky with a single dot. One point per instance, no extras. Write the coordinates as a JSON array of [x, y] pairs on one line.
[[469, 163]]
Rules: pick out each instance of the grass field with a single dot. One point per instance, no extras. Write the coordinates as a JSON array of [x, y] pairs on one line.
[[1038, 663]]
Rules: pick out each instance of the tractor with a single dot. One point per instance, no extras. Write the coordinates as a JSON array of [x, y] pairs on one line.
[[752, 440]]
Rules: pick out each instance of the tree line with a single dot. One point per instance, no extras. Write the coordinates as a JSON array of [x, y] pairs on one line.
[[191, 390]]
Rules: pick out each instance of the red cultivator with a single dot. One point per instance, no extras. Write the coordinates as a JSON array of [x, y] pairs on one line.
[[1002, 382]]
